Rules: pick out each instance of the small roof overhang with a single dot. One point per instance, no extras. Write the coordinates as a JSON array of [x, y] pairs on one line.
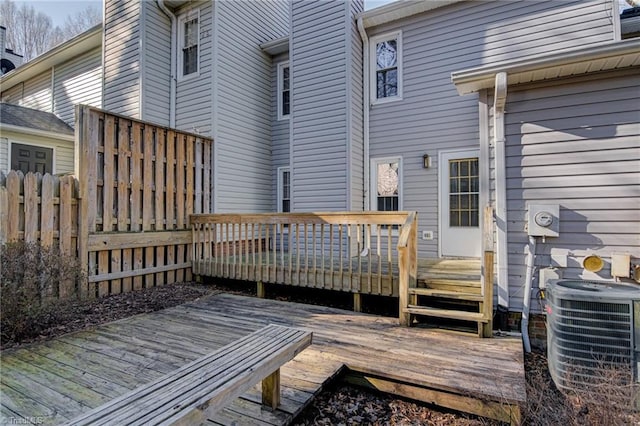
[[63, 52], [277, 46], [398, 10], [585, 60]]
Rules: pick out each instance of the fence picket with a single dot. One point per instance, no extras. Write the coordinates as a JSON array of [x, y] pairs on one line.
[[13, 205], [132, 177], [47, 213]]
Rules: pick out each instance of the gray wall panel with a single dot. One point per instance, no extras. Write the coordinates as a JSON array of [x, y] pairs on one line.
[[592, 172], [432, 117]]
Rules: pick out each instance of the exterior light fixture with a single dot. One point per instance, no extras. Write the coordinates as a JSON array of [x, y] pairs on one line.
[[426, 161]]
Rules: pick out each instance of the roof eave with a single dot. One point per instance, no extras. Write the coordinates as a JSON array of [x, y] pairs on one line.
[[277, 46], [398, 10], [602, 57], [84, 42], [36, 132]]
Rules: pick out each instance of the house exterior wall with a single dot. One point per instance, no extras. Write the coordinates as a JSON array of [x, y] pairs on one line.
[[280, 141], [121, 52], [34, 93], [195, 95], [431, 116], [78, 81], [242, 93], [355, 92], [156, 64], [574, 143], [322, 50]]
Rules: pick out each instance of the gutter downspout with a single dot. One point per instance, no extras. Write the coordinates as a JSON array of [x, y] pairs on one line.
[[500, 100], [174, 44], [524, 324], [365, 109]]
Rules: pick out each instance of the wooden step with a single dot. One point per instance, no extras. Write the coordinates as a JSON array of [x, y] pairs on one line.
[[460, 286], [448, 294], [445, 313]]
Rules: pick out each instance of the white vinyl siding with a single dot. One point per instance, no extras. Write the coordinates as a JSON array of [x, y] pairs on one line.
[[319, 150], [356, 74], [78, 81], [122, 57], [156, 69], [432, 116], [243, 108], [36, 92], [4, 155], [574, 144]]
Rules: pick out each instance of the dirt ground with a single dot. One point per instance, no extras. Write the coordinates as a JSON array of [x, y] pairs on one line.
[[339, 404]]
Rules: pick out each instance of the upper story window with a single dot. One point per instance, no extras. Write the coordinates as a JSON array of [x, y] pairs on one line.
[[284, 91], [386, 67], [189, 42]]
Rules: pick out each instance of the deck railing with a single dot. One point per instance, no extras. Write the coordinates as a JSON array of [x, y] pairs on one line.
[[408, 263], [362, 253]]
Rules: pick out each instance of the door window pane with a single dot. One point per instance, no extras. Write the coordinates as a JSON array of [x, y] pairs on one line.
[[464, 187]]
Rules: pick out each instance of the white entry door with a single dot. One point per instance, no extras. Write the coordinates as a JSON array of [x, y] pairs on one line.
[[459, 211]]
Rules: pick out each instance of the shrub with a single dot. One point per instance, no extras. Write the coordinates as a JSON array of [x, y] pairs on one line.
[[608, 398], [30, 276]]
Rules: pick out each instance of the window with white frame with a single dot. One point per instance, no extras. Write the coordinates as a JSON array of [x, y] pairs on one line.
[[284, 90], [386, 184], [386, 67], [284, 189], [189, 42]]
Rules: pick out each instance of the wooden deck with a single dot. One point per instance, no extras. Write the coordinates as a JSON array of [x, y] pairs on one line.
[[51, 382]]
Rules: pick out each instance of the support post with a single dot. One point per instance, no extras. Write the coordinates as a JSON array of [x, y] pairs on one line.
[[357, 302], [271, 390], [485, 329], [260, 289]]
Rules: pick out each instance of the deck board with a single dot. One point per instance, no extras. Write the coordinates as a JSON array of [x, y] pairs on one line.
[[59, 379]]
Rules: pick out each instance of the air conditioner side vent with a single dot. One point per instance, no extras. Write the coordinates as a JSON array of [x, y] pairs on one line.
[[591, 327]]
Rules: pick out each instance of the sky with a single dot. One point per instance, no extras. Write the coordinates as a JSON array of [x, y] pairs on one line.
[[59, 10]]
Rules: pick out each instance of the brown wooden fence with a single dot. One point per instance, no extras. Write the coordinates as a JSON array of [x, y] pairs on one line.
[[36, 208], [126, 212]]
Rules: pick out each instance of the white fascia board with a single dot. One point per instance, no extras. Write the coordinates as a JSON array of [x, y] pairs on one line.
[[398, 10], [63, 52], [602, 57], [34, 132], [277, 46]]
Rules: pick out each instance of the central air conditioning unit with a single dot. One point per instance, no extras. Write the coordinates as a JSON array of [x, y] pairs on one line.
[[593, 332]]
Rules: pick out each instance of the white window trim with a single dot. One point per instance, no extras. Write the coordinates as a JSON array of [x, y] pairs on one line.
[[280, 191], [281, 67], [181, 20], [372, 67], [373, 199]]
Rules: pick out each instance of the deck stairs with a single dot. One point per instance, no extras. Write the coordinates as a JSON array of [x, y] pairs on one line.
[[450, 290]]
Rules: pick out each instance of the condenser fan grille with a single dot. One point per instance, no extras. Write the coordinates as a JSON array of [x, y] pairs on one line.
[[588, 337]]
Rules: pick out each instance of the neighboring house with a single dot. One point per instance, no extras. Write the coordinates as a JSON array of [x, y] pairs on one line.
[[9, 60], [33, 140], [54, 82], [319, 105]]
